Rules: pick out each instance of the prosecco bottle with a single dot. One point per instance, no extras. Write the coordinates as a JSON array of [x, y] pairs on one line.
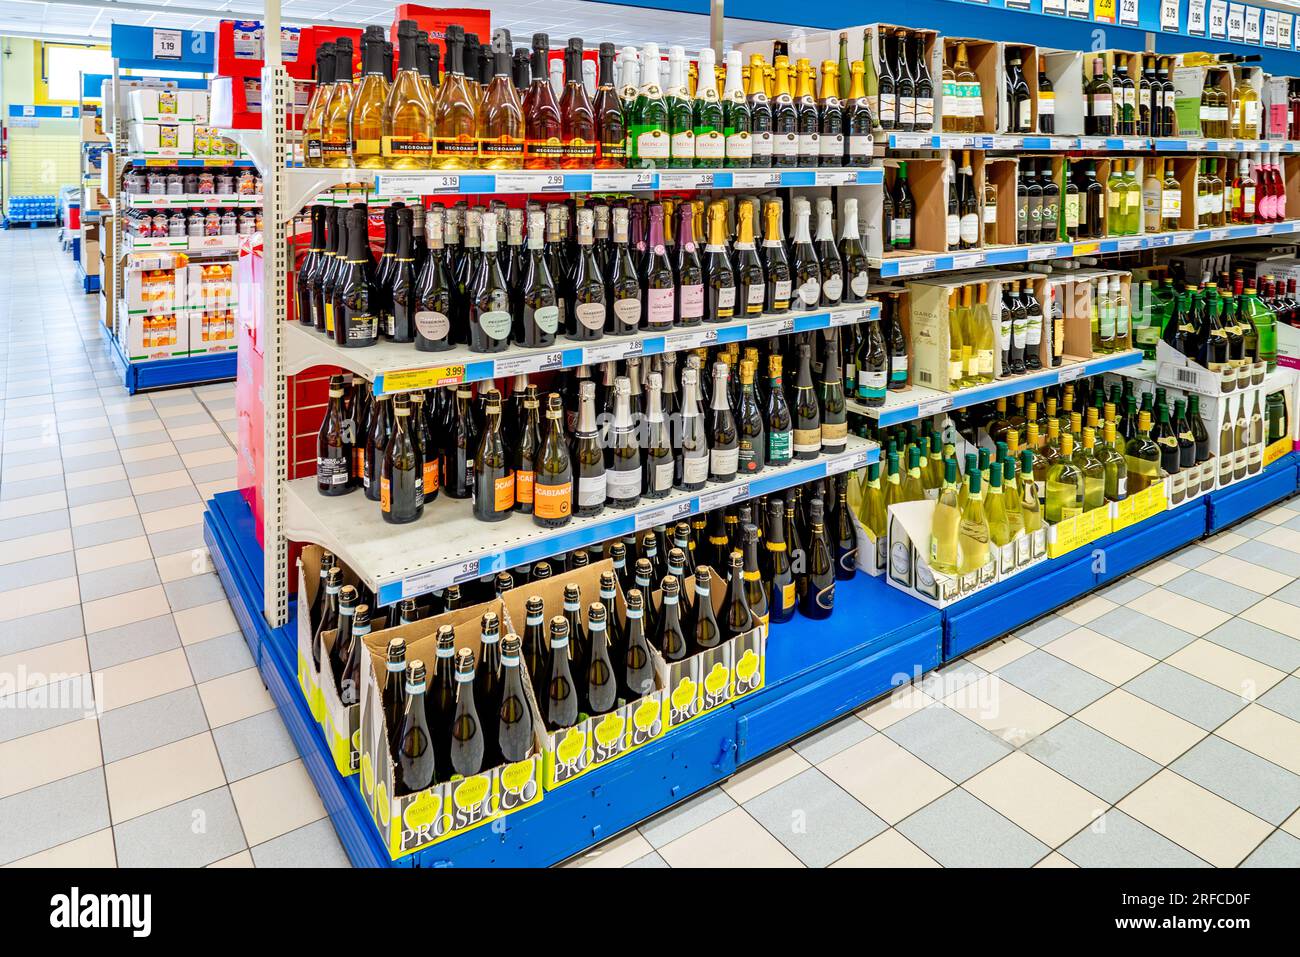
[[781, 590], [488, 297], [467, 745], [540, 314], [434, 291], [588, 314], [494, 479], [637, 673], [705, 632], [561, 701], [514, 717], [737, 618], [724, 439], [401, 478], [670, 637], [807, 414], [553, 475], [588, 458], [414, 759], [819, 600], [602, 685]]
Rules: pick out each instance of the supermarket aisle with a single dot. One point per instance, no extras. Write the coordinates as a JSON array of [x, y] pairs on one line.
[[1156, 723], [108, 603]]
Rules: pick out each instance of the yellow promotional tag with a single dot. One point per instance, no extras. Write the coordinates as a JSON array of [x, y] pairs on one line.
[[409, 380]]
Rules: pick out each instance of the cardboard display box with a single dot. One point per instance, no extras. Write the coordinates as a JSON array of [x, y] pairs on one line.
[[910, 528], [412, 821], [982, 56]]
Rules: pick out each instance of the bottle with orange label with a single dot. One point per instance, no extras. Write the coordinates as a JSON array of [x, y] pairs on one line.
[[494, 479], [525, 449], [553, 472], [401, 481]]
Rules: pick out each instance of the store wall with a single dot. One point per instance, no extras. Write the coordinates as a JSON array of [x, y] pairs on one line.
[[42, 154]]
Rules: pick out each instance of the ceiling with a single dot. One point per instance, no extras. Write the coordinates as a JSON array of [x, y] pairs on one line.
[[91, 19]]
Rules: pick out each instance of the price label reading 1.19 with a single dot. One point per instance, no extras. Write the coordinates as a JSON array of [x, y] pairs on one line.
[[167, 44]]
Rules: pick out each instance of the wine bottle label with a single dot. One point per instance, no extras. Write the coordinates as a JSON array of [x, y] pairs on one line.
[[739, 146], [626, 311], [661, 476], [551, 149], [695, 469], [832, 144], [682, 144], [362, 327], [808, 440], [747, 459], [503, 493], [725, 301], [385, 496], [331, 148], [589, 314], [956, 369], [577, 149], [778, 446], [898, 368], [953, 224], [622, 484], [1072, 211], [860, 144], [555, 501], [785, 145], [659, 307], [810, 291], [710, 145], [953, 101], [1101, 104], [1034, 333], [653, 144], [461, 147], [761, 146], [754, 295], [724, 462], [832, 288], [432, 325], [495, 323], [860, 283], [888, 111], [364, 147], [969, 230], [924, 112], [313, 148], [524, 485], [872, 383], [548, 318], [834, 433], [591, 490], [692, 300], [430, 477], [1046, 103], [1133, 200], [990, 213], [906, 111], [614, 150], [333, 471], [406, 147], [810, 144]]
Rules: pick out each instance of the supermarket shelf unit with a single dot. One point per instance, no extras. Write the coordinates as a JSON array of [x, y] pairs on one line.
[[813, 674], [133, 48]]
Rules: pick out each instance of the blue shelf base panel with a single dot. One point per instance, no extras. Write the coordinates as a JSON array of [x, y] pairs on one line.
[[1119, 553], [89, 284], [814, 674], [165, 373], [1230, 505]]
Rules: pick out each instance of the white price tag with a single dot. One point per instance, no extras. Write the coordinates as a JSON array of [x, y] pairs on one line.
[[624, 181], [530, 362], [767, 179], [686, 179], [967, 261], [167, 44], [1079, 9], [1222, 21], [1069, 373], [1016, 4], [1008, 142], [1169, 16], [530, 182], [837, 177], [847, 463], [29, 110], [1196, 18], [426, 184], [847, 317], [911, 141], [1092, 142], [1129, 245], [66, 111], [1270, 28], [933, 407], [1285, 21], [1252, 25], [611, 351], [914, 267], [440, 578], [723, 497], [1217, 235], [777, 327], [695, 339], [1128, 13], [663, 515], [1135, 144], [1038, 253], [1055, 7]]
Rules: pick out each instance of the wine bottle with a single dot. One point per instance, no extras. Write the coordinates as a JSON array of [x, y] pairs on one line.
[[834, 413], [356, 300], [637, 673], [414, 761], [401, 477], [623, 468], [587, 284], [780, 274], [488, 295], [785, 118], [588, 459], [334, 446], [561, 701], [737, 117], [543, 142], [552, 486], [805, 269], [807, 415], [514, 716], [690, 295], [724, 441], [670, 638], [577, 116], [611, 125], [819, 599], [494, 479]]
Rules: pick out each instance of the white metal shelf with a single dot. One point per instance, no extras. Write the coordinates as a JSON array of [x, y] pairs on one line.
[[918, 402], [448, 545], [1053, 141], [303, 184], [191, 201], [398, 367], [923, 263]]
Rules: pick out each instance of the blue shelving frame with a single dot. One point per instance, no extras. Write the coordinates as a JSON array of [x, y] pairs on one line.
[[879, 638], [164, 373]]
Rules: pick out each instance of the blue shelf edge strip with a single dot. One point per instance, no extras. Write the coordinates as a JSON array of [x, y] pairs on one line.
[[802, 692], [161, 373]]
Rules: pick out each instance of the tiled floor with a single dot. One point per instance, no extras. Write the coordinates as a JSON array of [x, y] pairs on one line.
[[134, 728], [1156, 723]]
